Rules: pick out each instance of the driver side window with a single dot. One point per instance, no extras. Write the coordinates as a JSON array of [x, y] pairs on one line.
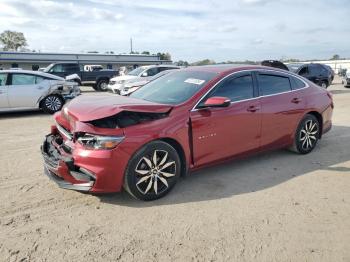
[[237, 88]]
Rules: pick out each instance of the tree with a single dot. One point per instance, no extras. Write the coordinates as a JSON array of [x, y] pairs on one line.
[[182, 63], [12, 40], [164, 56], [335, 57], [204, 62], [146, 53]]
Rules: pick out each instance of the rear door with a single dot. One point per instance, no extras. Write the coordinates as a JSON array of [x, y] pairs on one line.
[[223, 132], [4, 103], [25, 90], [281, 108]]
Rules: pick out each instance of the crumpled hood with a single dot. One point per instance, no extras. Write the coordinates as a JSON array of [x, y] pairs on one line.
[[87, 108]]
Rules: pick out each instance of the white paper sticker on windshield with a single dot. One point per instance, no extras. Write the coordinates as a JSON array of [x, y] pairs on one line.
[[194, 81]]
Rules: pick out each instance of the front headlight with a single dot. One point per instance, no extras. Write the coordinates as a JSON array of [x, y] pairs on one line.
[[99, 142]]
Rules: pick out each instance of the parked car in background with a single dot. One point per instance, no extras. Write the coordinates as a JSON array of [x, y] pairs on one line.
[[293, 67], [185, 120], [116, 83], [28, 90], [332, 72], [275, 64], [317, 73], [93, 68], [130, 86], [346, 79], [98, 79]]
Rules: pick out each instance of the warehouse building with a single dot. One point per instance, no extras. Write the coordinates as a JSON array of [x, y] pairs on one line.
[[34, 61]]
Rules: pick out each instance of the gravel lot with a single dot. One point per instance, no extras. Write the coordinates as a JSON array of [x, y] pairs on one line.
[[277, 206]]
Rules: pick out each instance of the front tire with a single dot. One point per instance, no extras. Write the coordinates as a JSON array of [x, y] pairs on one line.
[[324, 84], [306, 135], [153, 171], [52, 104]]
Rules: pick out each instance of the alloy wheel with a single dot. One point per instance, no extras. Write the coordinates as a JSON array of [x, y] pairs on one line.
[[104, 86], [154, 172], [308, 135], [53, 103]]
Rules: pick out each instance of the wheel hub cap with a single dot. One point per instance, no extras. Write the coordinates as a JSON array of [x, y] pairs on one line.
[[308, 135], [153, 173]]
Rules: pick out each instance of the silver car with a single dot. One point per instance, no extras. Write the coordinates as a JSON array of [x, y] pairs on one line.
[[28, 90]]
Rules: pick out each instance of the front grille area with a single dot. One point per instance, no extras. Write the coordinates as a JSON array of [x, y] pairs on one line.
[[64, 131]]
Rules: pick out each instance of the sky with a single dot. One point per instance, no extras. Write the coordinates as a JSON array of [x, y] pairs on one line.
[[189, 30]]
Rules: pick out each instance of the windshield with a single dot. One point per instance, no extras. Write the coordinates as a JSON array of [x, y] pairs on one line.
[[137, 71], [47, 69], [174, 88]]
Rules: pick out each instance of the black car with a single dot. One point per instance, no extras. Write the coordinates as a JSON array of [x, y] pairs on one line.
[[98, 79], [275, 64], [317, 73]]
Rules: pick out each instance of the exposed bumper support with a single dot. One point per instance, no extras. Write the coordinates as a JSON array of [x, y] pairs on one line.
[[61, 169]]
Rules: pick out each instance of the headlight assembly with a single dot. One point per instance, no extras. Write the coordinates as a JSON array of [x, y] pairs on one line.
[[99, 142]]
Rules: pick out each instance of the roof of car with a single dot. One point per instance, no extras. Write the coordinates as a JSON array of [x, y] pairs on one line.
[[38, 73], [222, 68]]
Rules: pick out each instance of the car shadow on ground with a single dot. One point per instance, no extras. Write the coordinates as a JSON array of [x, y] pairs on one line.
[[23, 114], [256, 173]]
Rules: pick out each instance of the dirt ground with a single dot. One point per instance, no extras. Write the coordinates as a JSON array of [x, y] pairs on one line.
[[277, 206]]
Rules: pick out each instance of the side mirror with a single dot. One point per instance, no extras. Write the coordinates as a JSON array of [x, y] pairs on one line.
[[144, 74], [217, 101]]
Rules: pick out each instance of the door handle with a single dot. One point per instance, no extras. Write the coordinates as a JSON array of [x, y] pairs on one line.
[[253, 109], [296, 100]]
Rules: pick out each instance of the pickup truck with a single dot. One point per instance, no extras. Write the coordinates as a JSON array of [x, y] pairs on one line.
[[98, 79]]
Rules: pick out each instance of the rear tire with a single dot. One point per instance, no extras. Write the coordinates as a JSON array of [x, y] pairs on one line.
[[102, 85], [52, 104], [153, 171], [324, 84], [306, 135]]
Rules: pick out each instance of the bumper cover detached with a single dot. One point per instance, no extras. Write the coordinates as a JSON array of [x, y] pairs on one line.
[[59, 166]]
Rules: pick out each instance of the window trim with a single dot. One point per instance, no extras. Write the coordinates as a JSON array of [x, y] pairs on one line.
[[238, 75], [253, 72], [277, 75]]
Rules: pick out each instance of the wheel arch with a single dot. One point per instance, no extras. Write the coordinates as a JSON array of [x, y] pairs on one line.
[[319, 119], [41, 100], [179, 149]]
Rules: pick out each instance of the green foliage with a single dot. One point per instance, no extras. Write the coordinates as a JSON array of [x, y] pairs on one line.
[[12, 40]]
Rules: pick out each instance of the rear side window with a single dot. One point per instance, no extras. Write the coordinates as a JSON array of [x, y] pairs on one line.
[[273, 84], [23, 79], [3, 78], [297, 83], [236, 89]]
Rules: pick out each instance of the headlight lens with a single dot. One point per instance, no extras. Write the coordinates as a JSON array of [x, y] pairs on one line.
[[99, 142]]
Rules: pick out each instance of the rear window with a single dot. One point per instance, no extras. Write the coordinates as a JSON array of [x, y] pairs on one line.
[[273, 84]]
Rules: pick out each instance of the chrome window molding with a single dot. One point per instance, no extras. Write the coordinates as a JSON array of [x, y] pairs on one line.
[[251, 71]]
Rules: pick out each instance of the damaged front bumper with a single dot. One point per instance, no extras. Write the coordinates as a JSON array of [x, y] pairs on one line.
[[59, 166]]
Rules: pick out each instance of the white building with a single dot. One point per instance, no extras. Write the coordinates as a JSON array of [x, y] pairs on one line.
[[32, 61]]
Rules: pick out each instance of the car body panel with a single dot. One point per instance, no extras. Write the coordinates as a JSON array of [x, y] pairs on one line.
[[206, 136], [27, 96]]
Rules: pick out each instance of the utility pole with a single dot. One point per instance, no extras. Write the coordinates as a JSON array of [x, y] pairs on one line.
[[131, 46]]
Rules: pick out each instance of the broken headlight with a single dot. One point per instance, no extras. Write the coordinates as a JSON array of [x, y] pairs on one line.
[[99, 142]]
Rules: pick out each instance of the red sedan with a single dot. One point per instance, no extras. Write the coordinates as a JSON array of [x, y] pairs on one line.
[[188, 119]]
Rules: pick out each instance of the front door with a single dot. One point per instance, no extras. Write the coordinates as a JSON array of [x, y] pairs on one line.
[[24, 90], [220, 133]]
